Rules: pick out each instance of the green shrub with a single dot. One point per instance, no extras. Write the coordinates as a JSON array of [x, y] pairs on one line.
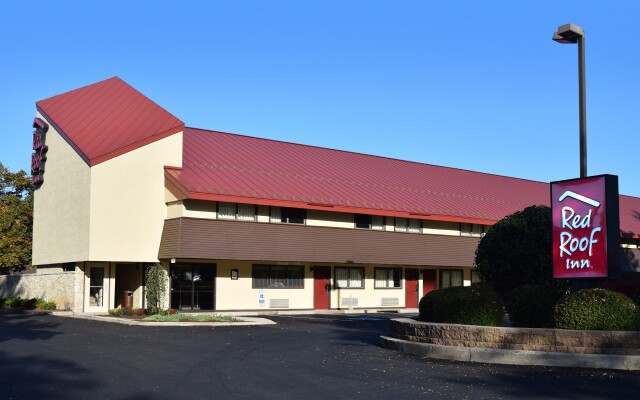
[[128, 312], [597, 309], [533, 305], [468, 305], [191, 317], [156, 287], [516, 250], [426, 305], [30, 303], [14, 302], [46, 305], [2, 302]]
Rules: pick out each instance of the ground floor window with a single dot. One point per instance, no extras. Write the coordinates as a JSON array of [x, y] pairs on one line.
[[387, 277], [278, 277], [475, 277], [192, 286], [450, 278], [349, 277], [96, 286]]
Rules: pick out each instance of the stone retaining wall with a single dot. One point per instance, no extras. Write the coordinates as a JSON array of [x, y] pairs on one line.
[[530, 339], [55, 286]]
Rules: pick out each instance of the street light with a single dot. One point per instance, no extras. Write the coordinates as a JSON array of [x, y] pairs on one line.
[[570, 33]]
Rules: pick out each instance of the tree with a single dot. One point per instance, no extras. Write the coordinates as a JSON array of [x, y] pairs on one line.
[[517, 250], [16, 219]]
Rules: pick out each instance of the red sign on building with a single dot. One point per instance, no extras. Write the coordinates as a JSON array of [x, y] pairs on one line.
[[586, 227], [39, 155]]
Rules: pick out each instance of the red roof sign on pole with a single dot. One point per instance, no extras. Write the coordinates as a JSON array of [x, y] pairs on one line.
[[586, 227]]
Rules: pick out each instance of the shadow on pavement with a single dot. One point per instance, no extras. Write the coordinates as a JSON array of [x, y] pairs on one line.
[[566, 383], [23, 326], [35, 375], [40, 377]]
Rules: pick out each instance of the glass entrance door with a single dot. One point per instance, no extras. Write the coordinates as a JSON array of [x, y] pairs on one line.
[[97, 287], [192, 286]]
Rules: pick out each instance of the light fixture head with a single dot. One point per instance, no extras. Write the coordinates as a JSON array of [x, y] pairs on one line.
[[568, 33]]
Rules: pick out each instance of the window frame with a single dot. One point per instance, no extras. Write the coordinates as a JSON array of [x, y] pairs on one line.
[[335, 277], [303, 210], [407, 228], [366, 218], [400, 278], [370, 221], [476, 273], [450, 270], [270, 276], [471, 232], [255, 212]]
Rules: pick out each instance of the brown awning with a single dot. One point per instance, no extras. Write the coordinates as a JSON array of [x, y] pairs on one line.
[[255, 241]]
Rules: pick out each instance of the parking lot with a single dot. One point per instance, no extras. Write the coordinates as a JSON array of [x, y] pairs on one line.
[[313, 357]]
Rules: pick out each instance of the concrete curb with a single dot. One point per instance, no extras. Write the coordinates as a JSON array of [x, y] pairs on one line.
[[512, 357], [245, 321]]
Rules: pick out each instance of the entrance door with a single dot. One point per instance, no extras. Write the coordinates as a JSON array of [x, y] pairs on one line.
[[428, 280], [96, 287], [321, 287], [411, 276], [192, 286]]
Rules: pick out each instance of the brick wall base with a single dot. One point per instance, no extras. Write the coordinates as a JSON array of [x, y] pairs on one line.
[[530, 339]]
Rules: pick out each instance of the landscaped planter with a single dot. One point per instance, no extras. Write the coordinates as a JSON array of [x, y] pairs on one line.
[[529, 339]]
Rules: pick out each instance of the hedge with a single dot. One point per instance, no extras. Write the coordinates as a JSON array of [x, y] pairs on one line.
[[468, 305], [597, 309]]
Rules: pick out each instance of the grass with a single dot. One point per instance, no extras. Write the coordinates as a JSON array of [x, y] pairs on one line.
[[191, 317]]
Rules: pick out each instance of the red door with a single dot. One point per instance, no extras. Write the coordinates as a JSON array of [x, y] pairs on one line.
[[411, 288], [321, 287], [428, 280]]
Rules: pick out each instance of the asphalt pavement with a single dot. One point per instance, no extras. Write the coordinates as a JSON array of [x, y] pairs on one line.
[[301, 357]]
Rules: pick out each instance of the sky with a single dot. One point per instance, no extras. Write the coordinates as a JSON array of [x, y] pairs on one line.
[[466, 84]]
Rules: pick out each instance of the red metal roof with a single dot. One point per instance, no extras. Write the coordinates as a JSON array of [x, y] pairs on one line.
[[630, 216], [107, 119], [227, 167]]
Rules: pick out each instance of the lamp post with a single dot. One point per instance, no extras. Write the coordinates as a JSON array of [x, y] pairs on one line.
[[570, 33]]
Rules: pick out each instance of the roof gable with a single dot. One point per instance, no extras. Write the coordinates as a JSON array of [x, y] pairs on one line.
[[107, 119]]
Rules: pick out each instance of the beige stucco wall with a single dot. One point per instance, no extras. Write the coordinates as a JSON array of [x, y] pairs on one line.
[[441, 228], [175, 209], [127, 202], [61, 205], [239, 294], [368, 297], [330, 218], [200, 209], [233, 295]]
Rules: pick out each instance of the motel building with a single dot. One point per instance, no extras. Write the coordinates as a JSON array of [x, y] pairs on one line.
[[250, 224]]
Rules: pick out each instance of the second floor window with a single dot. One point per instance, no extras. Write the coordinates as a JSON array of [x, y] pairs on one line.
[[364, 221], [472, 230], [408, 225], [243, 212], [288, 215]]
